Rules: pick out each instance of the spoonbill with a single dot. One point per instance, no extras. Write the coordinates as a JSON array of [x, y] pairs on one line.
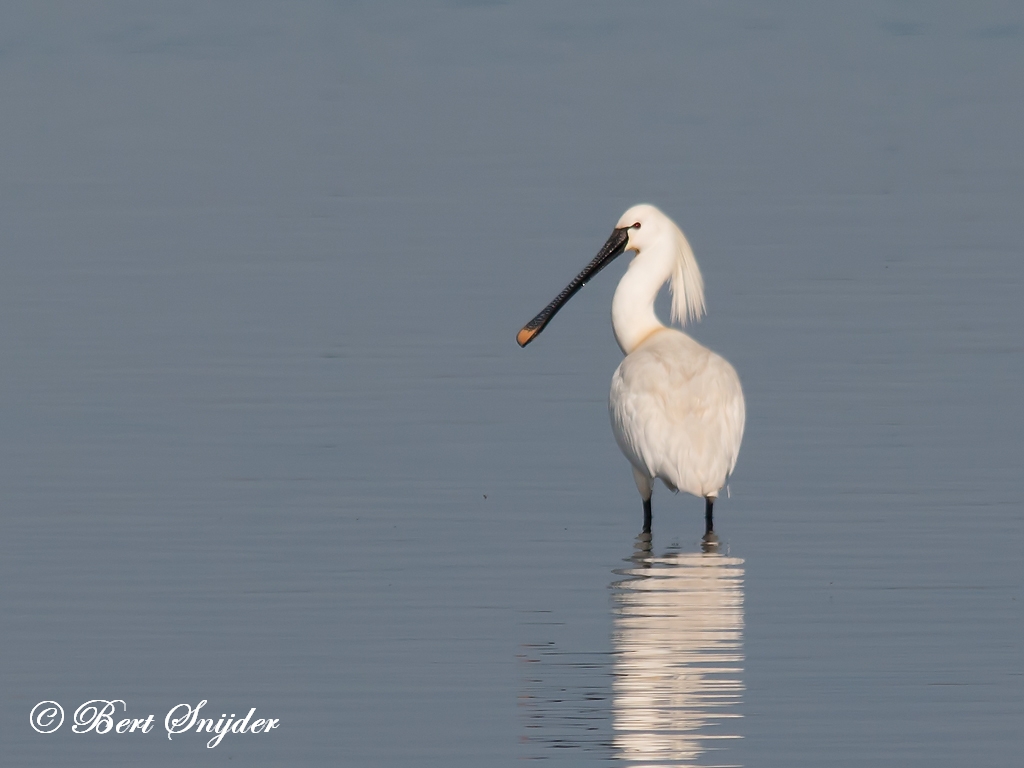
[[676, 407]]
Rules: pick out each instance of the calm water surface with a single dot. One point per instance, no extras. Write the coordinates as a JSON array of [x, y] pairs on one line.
[[675, 667], [267, 439]]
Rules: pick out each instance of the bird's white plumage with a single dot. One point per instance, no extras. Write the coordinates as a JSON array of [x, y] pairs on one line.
[[676, 407], [677, 412]]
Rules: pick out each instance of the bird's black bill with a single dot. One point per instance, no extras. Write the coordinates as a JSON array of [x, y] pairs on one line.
[[615, 246]]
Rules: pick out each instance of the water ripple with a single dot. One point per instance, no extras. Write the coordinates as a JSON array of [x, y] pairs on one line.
[[669, 693]]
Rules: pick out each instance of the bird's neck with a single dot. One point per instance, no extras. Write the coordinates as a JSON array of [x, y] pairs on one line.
[[633, 318]]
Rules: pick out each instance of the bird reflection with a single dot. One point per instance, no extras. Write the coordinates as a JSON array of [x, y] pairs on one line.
[[677, 656], [669, 692]]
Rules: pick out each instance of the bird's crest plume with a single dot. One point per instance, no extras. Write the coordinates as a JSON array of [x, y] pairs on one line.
[[687, 285]]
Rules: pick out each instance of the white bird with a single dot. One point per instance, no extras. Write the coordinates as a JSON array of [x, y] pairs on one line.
[[676, 407]]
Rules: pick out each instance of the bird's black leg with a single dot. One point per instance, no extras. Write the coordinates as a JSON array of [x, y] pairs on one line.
[[710, 541], [647, 515]]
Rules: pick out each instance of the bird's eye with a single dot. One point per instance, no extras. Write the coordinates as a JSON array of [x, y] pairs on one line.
[[637, 225]]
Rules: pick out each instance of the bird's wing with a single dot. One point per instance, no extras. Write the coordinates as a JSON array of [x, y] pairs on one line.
[[677, 413]]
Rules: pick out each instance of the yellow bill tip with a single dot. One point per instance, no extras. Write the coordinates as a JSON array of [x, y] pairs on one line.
[[525, 336]]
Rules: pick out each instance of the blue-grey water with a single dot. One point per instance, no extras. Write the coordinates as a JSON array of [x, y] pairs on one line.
[[266, 439]]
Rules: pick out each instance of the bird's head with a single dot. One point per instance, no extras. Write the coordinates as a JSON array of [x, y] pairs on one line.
[[644, 226], [653, 233]]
